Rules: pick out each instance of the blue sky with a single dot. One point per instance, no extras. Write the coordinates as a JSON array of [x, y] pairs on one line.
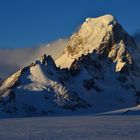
[[25, 23]]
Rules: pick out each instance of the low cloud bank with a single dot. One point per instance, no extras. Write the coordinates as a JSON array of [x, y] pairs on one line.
[[13, 59]]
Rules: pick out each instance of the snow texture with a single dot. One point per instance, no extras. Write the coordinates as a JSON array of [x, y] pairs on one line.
[[71, 128]]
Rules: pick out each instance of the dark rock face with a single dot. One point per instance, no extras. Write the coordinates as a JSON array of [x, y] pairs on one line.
[[48, 60], [119, 34], [88, 84], [1, 82], [91, 64]]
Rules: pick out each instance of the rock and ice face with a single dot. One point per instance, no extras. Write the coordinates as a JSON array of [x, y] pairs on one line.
[[99, 71], [106, 36]]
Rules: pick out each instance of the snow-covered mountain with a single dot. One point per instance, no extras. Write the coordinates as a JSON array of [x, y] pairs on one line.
[[98, 71], [104, 35]]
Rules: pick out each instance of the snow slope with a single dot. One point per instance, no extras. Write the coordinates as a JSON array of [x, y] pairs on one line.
[[71, 128], [125, 111], [35, 90]]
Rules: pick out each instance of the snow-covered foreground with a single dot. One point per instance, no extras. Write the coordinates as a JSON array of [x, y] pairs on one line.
[[71, 128]]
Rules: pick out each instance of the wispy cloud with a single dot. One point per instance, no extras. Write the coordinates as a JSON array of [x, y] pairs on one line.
[[13, 59]]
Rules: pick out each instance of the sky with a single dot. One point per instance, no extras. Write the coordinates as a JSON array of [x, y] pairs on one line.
[[26, 23]]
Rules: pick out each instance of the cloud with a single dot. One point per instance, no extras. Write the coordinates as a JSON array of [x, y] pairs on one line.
[[13, 59]]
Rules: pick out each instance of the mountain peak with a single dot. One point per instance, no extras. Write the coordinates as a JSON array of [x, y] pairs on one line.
[[106, 20], [103, 35], [92, 34], [36, 69]]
